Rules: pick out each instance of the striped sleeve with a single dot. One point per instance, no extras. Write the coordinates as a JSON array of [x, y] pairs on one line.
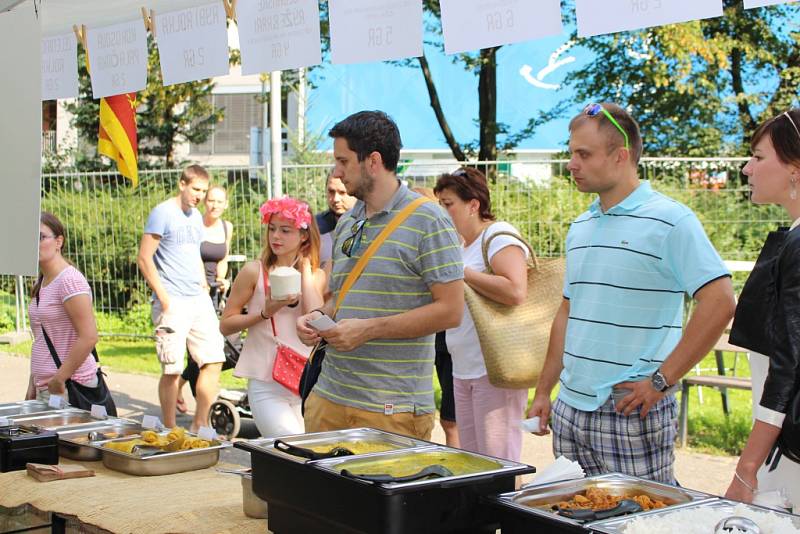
[[439, 247], [73, 284]]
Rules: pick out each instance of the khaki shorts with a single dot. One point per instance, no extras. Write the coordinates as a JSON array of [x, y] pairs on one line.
[[322, 415], [189, 322]]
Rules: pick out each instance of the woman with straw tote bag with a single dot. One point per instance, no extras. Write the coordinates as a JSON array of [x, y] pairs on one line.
[[488, 411]]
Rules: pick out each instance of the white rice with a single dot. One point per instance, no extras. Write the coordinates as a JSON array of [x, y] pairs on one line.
[[702, 520]]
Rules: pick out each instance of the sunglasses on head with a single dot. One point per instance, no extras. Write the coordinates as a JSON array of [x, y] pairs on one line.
[[593, 110], [351, 244]]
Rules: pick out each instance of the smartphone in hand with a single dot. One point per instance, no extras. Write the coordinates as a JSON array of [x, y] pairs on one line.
[[322, 323]]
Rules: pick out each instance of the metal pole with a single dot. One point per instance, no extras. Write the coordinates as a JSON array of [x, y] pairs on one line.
[[275, 123], [264, 128], [301, 107], [22, 315], [17, 288]]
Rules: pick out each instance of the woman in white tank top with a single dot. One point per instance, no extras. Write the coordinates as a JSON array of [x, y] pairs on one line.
[[292, 240]]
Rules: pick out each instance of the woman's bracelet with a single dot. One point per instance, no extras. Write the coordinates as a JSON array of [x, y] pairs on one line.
[[740, 479], [261, 313]]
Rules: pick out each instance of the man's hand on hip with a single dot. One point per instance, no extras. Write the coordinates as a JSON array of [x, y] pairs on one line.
[[643, 396], [349, 334]]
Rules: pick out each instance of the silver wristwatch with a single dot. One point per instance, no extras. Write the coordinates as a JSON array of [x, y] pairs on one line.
[[659, 381]]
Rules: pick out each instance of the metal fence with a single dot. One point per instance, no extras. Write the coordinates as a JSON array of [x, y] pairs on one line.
[[105, 217]]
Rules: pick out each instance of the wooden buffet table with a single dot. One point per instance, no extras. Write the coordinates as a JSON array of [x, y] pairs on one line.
[[202, 501]]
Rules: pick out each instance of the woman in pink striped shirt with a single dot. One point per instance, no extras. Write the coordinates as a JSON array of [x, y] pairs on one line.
[[61, 304]]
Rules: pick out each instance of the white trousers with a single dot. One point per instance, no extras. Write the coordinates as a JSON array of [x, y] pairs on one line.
[[276, 410]]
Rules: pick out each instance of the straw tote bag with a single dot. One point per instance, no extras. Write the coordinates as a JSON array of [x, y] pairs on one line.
[[514, 338]]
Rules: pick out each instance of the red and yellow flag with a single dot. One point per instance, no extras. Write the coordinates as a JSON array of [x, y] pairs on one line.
[[117, 138]]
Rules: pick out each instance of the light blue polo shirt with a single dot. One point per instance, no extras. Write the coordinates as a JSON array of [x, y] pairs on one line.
[[627, 272]]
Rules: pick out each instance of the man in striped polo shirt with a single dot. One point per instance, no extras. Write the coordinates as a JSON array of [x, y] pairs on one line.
[[378, 368], [617, 345]]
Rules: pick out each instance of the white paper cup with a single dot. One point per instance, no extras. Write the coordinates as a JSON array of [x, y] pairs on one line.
[[531, 425]]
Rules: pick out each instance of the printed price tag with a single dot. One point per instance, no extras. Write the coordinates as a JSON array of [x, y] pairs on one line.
[[207, 433], [610, 16], [375, 30], [59, 67], [152, 422], [475, 24], [192, 43], [99, 412], [388, 409], [56, 401], [118, 58], [278, 35]]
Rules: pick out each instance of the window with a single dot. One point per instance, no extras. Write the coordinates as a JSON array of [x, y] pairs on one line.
[[232, 135]]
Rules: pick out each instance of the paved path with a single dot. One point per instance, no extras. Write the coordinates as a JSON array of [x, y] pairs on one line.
[[136, 395]]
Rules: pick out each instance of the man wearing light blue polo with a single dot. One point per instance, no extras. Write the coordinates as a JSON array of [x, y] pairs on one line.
[[617, 345]]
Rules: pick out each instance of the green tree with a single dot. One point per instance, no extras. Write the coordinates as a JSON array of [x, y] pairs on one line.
[[166, 116], [698, 88]]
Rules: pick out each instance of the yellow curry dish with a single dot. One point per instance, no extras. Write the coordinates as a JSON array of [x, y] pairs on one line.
[[411, 463]]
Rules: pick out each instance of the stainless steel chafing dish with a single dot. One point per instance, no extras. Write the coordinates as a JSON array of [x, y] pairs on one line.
[[458, 464], [57, 418], [320, 440], [316, 496], [617, 525], [9, 409], [162, 463], [530, 507], [76, 442]]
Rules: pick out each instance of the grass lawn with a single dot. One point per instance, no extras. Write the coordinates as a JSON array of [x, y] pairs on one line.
[[709, 430]]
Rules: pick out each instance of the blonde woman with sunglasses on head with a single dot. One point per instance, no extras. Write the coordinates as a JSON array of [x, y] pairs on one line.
[[767, 322]]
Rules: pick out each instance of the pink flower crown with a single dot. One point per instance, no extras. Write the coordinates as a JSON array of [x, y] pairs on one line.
[[288, 208]]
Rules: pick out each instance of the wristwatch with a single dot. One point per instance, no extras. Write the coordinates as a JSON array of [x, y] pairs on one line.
[[659, 381]]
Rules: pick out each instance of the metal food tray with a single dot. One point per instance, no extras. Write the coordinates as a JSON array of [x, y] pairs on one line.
[[74, 443], [166, 463], [501, 466], [536, 501], [8, 409], [616, 526], [57, 419], [353, 435]]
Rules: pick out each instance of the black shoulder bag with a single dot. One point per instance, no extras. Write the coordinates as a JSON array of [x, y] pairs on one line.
[[81, 396]]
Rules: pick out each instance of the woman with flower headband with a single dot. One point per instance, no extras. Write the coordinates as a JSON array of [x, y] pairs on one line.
[[291, 240], [767, 322]]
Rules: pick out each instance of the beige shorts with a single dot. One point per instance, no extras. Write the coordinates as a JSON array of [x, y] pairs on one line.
[[189, 322]]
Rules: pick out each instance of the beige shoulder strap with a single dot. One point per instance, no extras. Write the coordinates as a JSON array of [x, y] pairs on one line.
[[373, 247]]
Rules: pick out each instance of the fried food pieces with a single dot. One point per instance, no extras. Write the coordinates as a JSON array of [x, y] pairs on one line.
[[600, 499], [176, 440]]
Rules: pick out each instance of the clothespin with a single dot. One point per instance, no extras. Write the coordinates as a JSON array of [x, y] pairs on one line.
[[149, 20], [230, 9], [80, 34]]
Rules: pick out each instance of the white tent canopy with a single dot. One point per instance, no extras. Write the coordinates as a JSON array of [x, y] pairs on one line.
[[58, 16]]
